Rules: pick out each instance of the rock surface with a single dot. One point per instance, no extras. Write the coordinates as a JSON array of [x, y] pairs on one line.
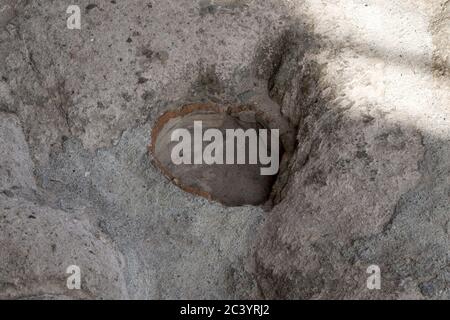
[[362, 86], [232, 184]]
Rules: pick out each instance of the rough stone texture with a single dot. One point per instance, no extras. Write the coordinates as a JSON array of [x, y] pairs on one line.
[[365, 84], [38, 242], [16, 168], [6, 13], [369, 181]]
